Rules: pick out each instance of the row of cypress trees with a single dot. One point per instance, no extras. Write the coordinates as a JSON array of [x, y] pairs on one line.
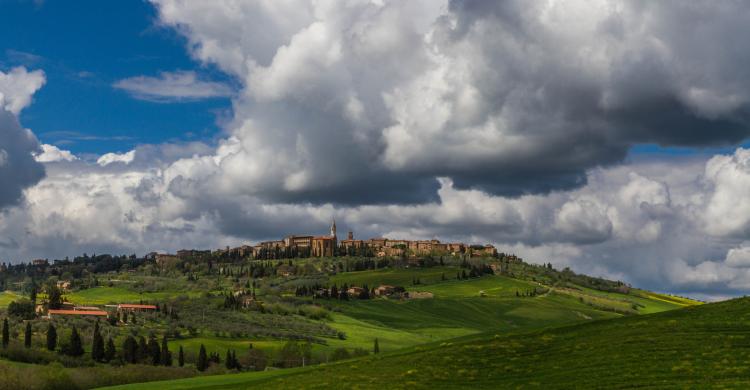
[[99, 351], [149, 352]]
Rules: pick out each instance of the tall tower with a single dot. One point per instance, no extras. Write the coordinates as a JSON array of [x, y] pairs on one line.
[[333, 227]]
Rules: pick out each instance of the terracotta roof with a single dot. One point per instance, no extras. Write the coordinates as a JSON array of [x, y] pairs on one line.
[[78, 312], [132, 306], [323, 238]]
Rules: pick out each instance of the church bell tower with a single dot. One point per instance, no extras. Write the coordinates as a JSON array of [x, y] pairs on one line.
[[333, 227]]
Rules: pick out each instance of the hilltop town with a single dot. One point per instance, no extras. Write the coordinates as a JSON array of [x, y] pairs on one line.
[[306, 246]]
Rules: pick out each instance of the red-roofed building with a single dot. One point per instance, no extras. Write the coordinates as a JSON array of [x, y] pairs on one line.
[[83, 313], [134, 307]]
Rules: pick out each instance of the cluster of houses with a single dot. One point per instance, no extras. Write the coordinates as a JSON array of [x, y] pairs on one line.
[[329, 245]]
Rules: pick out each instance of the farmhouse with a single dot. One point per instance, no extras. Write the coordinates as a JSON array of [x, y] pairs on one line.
[[354, 291], [86, 308], [134, 307], [81, 313], [385, 290]]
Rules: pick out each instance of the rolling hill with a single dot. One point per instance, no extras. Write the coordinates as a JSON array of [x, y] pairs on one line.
[[480, 333], [698, 346]]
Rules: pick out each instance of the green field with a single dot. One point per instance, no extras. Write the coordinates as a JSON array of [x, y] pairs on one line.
[[105, 295], [191, 346], [700, 346], [6, 297], [492, 286], [447, 313], [395, 277], [458, 309]]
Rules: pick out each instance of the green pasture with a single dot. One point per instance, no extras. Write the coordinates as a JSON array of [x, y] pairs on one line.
[[107, 295], [492, 286], [457, 305], [6, 297], [191, 346], [646, 301]]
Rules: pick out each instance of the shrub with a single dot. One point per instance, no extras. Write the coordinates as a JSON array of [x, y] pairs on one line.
[[23, 309], [339, 354]]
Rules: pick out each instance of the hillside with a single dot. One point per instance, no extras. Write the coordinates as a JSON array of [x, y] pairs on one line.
[[278, 315], [693, 347]]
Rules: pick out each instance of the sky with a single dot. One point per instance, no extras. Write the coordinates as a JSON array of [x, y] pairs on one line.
[[83, 51], [610, 137]]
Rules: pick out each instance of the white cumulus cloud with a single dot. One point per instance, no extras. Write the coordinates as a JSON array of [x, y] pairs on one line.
[[51, 153], [111, 158]]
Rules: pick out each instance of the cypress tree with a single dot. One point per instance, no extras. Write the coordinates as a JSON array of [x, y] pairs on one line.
[[130, 350], [76, 345], [6, 333], [27, 335], [97, 346], [181, 358], [235, 362], [32, 295], [142, 349], [154, 351], [109, 350], [166, 357], [228, 361], [202, 363], [51, 337], [376, 347]]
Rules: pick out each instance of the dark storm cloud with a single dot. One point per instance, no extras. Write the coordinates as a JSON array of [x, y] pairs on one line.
[[650, 77]]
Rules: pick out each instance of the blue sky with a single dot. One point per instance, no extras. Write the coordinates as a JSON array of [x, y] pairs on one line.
[[84, 50]]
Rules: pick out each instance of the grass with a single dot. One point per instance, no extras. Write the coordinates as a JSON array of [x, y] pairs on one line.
[[191, 346], [492, 286], [698, 346], [361, 334], [231, 381], [6, 297], [394, 276], [457, 309], [105, 295]]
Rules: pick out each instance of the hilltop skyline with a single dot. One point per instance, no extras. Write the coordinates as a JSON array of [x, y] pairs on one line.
[[608, 137]]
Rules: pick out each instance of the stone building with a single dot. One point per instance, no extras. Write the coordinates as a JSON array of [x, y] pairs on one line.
[[325, 246], [351, 243]]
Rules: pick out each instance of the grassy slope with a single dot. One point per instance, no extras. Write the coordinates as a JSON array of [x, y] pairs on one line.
[[105, 295], [456, 310], [695, 347], [394, 276], [6, 297]]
